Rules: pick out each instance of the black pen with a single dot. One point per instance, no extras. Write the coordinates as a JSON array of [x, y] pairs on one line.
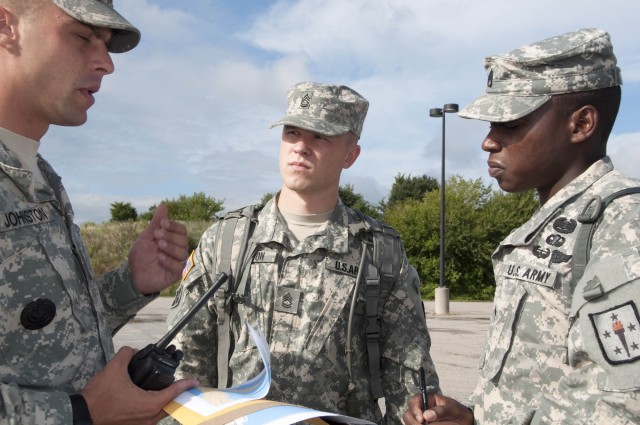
[[423, 389]]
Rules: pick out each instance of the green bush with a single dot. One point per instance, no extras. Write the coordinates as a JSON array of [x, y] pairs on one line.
[[357, 201], [408, 187], [109, 243], [197, 207], [123, 211], [476, 220]]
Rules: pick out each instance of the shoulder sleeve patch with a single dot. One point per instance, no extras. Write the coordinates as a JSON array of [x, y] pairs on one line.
[[188, 266], [618, 332]]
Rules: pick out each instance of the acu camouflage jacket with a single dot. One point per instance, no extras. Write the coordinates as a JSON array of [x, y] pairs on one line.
[[300, 296], [57, 319], [557, 353]]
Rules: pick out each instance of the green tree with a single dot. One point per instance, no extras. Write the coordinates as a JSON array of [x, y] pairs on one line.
[[197, 207], [123, 211], [509, 210], [357, 201], [266, 198], [349, 198], [476, 220], [407, 187]]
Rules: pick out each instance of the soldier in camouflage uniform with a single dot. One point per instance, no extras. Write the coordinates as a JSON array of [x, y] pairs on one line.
[[302, 276], [57, 364], [564, 342]]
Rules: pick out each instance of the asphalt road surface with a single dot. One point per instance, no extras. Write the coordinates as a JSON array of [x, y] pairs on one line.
[[457, 339]]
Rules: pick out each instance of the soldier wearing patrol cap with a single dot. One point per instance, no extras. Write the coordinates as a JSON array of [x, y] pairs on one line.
[[564, 342], [100, 13], [58, 364], [305, 280]]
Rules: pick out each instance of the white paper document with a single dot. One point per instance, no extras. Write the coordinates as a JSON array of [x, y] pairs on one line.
[[245, 403]]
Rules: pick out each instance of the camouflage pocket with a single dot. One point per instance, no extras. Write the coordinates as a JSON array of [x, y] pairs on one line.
[[39, 331], [327, 311], [502, 329], [607, 414]]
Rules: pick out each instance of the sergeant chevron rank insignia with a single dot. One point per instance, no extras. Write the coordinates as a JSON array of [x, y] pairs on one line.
[[287, 300], [618, 332]]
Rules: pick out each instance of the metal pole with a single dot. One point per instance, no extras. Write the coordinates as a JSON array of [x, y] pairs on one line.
[[442, 208], [442, 292]]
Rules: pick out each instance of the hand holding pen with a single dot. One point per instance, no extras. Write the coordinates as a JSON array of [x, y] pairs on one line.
[[423, 391], [445, 410]]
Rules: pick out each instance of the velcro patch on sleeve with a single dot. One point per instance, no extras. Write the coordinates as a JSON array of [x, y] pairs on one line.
[[618, 333], [187, 266], [339, 266], [530, 273], [288, 300]]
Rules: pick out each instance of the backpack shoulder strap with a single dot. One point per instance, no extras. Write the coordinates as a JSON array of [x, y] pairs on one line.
[[380, 274], [589, 218], [233, 233]]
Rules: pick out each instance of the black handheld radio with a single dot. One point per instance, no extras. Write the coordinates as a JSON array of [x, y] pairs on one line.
[[153, 367]]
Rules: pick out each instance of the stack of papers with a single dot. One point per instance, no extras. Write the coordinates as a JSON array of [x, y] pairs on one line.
[[244, 403]]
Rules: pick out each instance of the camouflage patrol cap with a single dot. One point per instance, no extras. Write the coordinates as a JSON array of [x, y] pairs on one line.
[[100, 13], [325, 109], [521, 81]]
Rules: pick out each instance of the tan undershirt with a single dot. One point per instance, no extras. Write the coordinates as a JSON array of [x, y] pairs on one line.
[[26, 150], [303, 225]]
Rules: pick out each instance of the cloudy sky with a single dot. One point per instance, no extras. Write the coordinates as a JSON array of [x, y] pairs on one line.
[[189, 109]]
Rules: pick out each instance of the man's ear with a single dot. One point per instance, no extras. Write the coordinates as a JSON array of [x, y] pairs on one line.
[[584, 123], [8, 29], [352, 155]]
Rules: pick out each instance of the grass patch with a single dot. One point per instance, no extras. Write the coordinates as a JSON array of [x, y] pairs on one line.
[[109, 243]]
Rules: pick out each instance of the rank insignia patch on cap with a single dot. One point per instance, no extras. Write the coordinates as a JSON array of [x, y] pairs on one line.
[[306, 101], [618, 332]]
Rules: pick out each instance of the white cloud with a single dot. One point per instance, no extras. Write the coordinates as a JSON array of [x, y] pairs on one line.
[[188, 110], [624, 150]]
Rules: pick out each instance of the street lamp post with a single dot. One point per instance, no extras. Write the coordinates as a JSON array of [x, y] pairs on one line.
[[442, 292]]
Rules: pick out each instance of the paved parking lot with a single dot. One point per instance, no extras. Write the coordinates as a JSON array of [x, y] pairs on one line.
[[457, 339]]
